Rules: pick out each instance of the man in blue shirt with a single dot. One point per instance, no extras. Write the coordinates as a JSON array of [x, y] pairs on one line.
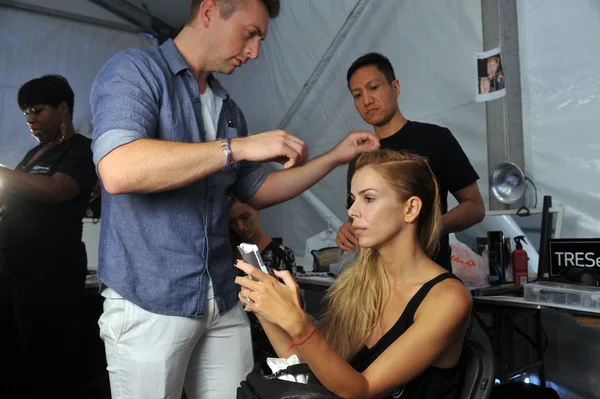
[[170, 145]]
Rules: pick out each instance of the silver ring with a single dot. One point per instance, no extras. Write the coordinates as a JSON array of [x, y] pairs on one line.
[[248, 298]]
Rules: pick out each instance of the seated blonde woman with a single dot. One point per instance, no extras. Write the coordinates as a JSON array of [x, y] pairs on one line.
[[396, 321]]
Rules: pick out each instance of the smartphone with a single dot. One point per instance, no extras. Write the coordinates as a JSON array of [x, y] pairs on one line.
[[251, 256]]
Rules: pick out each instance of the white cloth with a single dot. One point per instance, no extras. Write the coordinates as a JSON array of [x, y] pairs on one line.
[[211, 108], [154, 356], [276, 364]]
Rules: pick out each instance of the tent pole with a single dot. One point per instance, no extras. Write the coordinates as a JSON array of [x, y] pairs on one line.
[[504, 116], [332, 220], [322, 65]]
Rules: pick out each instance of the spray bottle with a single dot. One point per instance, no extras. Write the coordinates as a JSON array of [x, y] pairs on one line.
[[519, 262]]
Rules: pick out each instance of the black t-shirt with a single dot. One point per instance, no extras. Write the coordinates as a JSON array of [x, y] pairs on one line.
[[445, 157], [279, 257], [35, 235]]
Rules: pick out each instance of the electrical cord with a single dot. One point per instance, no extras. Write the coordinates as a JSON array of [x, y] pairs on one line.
[[486, 330], [524, 211], [535, 190], [528, 338], [145, 7]]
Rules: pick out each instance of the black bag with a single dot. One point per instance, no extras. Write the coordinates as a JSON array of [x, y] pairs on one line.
[[258, 386]]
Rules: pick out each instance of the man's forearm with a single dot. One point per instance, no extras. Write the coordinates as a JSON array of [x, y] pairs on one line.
[[145, 165], [463, 216], [284, 185]]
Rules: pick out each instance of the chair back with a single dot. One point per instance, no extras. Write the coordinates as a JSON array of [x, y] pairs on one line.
[[478, 373]]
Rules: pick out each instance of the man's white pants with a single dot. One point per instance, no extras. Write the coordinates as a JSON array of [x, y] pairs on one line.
[[154, 356]]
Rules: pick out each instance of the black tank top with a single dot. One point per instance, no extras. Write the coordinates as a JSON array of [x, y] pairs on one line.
[[434, 382]]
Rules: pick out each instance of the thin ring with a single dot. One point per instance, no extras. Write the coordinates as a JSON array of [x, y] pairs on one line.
[[248, 298]]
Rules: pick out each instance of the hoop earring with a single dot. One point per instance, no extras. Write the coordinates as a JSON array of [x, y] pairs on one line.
[[63, 131]]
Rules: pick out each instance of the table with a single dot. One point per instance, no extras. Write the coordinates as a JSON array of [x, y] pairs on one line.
[[504, 308], [585, 317], [310, 283]]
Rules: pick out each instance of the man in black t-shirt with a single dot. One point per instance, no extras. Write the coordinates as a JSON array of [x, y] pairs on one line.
[[373, 85]]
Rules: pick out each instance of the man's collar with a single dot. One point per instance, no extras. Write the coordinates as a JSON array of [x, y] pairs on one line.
[[173, 57], [177, 64]]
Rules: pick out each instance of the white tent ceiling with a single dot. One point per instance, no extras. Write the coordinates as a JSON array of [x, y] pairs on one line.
[[68, 7], [430, 43], [173, 12], [432, 57], [74, 50]]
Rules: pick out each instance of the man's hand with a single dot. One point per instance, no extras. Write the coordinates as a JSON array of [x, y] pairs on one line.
[[353, 145], [346, 240], [274, 146]]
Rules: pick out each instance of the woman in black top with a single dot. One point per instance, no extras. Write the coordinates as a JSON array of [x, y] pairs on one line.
[[245, 226], [42, 258], [396, 321]]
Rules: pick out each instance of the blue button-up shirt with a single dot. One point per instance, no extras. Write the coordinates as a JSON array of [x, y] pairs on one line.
[[160, 250]]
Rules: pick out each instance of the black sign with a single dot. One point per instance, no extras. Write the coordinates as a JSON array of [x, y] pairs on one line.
[[574, 252]]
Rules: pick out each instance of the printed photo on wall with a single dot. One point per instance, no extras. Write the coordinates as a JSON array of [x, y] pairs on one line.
[[489, 76]]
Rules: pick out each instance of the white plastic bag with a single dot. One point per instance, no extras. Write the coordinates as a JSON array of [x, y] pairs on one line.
[[276, 364], [468, 266]]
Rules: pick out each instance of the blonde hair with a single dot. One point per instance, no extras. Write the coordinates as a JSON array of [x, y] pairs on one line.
[[356, 300]]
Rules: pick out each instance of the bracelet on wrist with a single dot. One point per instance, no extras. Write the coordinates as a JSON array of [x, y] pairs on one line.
[[296, 343], [226, 147]]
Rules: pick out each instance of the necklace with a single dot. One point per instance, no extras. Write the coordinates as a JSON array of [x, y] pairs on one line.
[[45, 147]]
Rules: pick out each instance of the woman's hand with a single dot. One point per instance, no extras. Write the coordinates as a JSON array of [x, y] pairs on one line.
[[264, 295]]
